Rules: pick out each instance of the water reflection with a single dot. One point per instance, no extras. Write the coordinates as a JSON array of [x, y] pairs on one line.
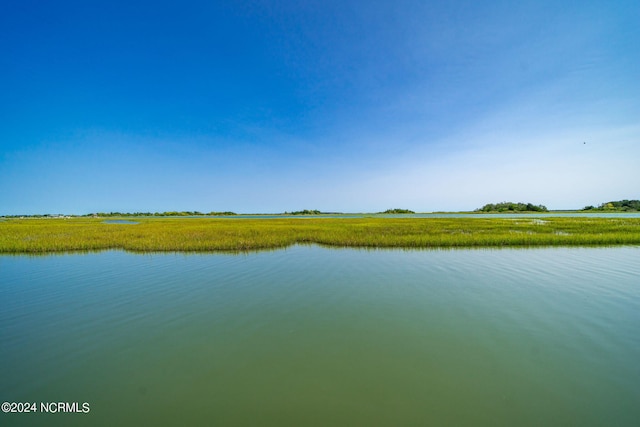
[[310, 336]]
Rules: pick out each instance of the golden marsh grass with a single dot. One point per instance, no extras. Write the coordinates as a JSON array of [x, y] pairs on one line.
[[242, 234]]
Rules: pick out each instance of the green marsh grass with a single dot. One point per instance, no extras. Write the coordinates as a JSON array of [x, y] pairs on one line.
[[226, 234]]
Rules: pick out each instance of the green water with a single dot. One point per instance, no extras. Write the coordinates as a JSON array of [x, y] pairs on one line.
[[315, 336]]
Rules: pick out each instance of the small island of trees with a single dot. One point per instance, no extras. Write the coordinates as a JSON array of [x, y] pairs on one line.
[[617, 206], [304, 212], [512, 207], [397, 211]]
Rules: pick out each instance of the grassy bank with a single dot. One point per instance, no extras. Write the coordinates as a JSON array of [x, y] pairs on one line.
[[211, 234]]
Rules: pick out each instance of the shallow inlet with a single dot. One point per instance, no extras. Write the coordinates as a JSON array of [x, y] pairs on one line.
[[316, 336]]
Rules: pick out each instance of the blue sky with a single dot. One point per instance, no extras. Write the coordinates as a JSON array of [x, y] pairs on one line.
[[353, 106]]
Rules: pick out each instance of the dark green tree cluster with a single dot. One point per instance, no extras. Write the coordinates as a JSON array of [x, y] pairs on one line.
[[619, 205], [397, 211], [512, 207], [182, 213], [305, 212], [225, 213]]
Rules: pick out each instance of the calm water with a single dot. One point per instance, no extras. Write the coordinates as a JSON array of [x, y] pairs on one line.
[[314, 336]]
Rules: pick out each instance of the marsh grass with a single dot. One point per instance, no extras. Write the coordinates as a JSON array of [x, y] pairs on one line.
[[217, 234]]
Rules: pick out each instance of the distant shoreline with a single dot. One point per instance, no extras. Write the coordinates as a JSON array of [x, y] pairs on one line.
[[290, 214]]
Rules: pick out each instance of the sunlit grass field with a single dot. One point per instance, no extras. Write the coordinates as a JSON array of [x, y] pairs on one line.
[[226, 234]]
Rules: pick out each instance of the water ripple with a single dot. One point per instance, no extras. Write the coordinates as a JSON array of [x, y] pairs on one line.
[[504, 331]]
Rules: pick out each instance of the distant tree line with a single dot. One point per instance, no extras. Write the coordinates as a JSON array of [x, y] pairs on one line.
[[613, 206], [38, 216], [225, 213], [168, 213], [397, 211], [304, 212], [512, 207], [620, 205]]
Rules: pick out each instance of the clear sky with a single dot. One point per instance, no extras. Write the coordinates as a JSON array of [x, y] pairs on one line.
[[353, 106]]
